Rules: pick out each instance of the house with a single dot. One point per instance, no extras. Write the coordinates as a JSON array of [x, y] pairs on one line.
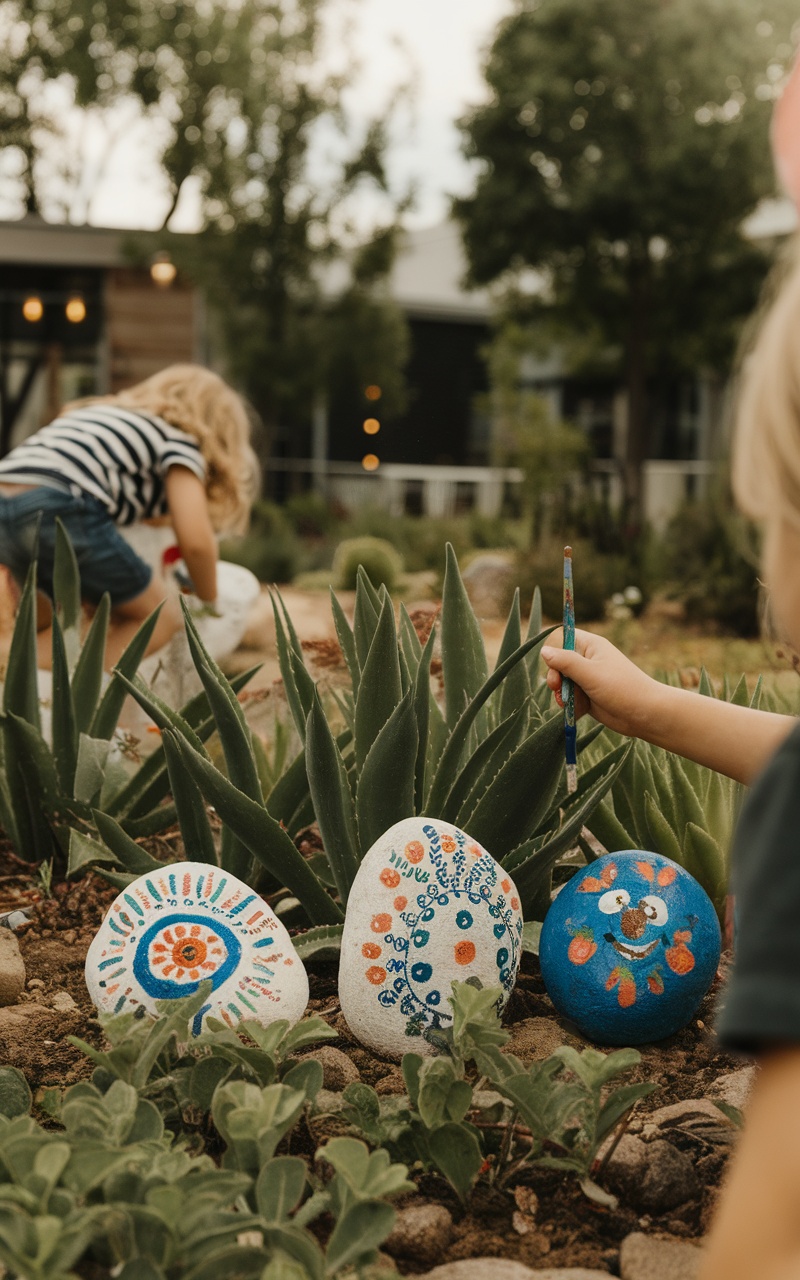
[[77, 319]]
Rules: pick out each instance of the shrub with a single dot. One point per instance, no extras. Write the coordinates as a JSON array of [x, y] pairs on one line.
[[310, 515], [597, 578], [271, 549], [378, 558], [708, 556]]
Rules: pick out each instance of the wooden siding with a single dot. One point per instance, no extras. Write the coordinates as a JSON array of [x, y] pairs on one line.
[[147, 327]]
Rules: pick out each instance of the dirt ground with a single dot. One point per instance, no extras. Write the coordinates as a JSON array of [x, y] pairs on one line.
[[570, 1231]]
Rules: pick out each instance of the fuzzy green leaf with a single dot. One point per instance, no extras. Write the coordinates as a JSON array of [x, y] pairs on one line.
[[457, 1154]]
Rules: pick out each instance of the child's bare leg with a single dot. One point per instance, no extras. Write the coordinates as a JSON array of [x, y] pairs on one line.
[[127, 618]]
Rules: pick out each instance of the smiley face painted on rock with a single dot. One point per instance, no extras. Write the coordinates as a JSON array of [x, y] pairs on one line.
[[629, 947]]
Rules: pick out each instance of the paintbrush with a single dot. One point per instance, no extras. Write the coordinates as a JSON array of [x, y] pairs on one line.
[[567, 687]]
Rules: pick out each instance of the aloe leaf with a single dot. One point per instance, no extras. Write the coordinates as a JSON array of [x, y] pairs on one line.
[[313, 942], [385, 792], [150, 783], [710, 862], [90, 768], [662, 838], [347, 641], [32, 786], [705, 687], [608, 829], [534, 859], [234, 733], [457, 741], [481, 767], [198, 840], [518, 799], [160, 819], [463, 656], [87, 678], [297, 681], [409, 640], [365, 616], [380, 689], [159, 712], [107, 714], [131, 855], [21, 690], [535, 628], [423, 701], [65, 734], [263, 836], [375, 597], [516, 689], [67, 591], [333, 800], [85, 852]]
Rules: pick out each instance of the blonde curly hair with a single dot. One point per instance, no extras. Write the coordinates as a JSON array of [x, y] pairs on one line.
[[199, 402], [765, 467]]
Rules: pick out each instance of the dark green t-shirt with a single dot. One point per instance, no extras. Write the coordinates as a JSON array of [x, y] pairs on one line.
[[762, 1001]]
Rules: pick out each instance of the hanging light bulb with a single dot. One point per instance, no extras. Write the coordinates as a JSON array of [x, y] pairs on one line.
[[75, 310], [162, 269], [33, 309]]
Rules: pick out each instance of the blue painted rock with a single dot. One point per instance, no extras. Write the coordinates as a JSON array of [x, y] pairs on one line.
[[428, 906], [174, 927], [629, 948]]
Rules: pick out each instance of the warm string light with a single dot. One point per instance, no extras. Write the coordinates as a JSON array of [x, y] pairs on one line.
[[33, 309], [75, 310], [162, 269], [372, 426], [370, 462], [372, 392]]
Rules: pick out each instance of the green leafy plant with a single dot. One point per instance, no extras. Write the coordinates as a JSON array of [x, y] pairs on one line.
[[113, 1185], [179, 1073], [559, 1111], [50, 790], [378, 558], [490, 759], [675, 807]]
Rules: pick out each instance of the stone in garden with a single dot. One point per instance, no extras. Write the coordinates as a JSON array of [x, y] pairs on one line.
[[12, 969], [652, 1176], [171, 929], [428, 906], [644, 1257], [629, 947]]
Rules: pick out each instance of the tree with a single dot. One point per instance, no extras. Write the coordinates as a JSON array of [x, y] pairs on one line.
[[238, 104], [624, 143]]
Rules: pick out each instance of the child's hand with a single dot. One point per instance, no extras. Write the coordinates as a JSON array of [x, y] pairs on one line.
[[607, 685]]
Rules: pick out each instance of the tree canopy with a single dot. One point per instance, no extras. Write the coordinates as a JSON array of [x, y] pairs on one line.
[[237, 102], [622, 147]]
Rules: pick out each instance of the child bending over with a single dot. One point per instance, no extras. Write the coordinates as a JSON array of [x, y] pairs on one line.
[[177, 446], [756, 1235]]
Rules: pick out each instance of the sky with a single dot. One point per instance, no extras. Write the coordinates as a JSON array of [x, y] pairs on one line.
[[435, 44]]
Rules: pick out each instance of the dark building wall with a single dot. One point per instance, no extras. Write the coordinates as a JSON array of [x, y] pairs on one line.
[[445, 374]]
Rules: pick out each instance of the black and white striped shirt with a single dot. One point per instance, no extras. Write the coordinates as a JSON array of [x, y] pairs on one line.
[[116, 454]]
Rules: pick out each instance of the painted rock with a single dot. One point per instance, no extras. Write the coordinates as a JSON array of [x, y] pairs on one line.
[[173, 928], [629, 948], [428, 906]]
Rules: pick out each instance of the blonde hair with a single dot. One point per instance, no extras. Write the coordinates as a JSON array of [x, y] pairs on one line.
[[197, 401], [766, 449]]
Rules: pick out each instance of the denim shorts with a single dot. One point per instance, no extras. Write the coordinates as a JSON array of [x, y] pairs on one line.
[[105, 560]]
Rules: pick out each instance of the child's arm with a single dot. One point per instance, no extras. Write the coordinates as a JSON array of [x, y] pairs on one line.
[[756, 1232], [188, 510], [736, 741]]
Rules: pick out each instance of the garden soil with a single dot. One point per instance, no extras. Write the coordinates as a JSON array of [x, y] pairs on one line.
[[547, 1222]]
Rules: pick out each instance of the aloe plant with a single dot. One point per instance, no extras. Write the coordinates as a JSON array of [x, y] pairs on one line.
[[489, 759], [50, 790], [675, 807]]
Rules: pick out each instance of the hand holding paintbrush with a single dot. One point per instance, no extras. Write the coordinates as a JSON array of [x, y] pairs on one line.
[[567, 687]]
